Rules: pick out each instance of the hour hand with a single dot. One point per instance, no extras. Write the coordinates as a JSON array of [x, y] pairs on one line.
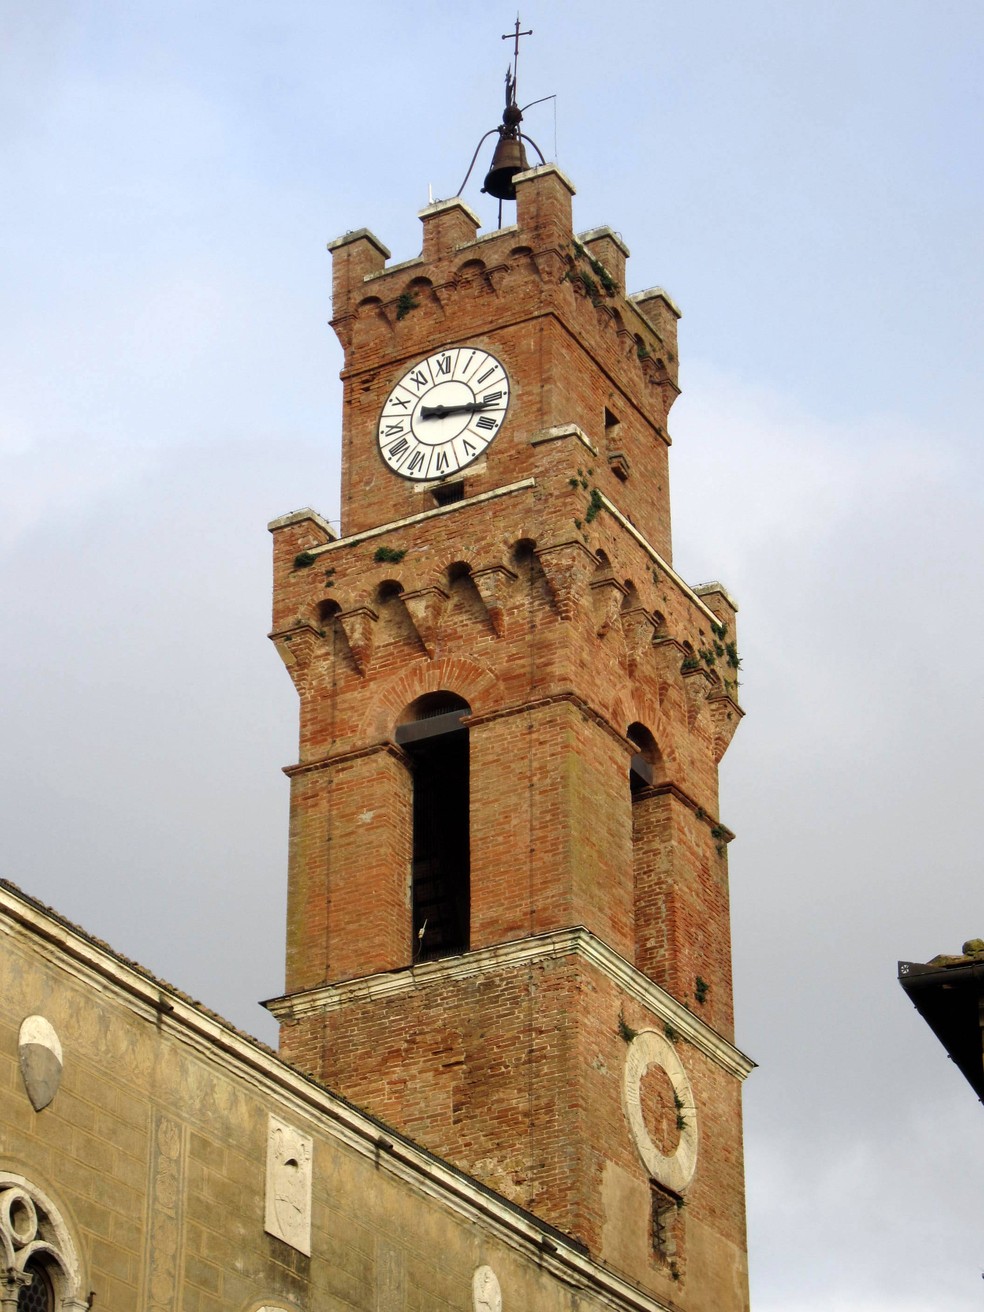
[[441, 411]]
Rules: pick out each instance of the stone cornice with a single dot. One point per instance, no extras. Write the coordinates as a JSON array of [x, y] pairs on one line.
[[541, 703], [307, 515], [422, 517], [523, 952], [69, 948], [340, 758], [562, 431], [653, 554]]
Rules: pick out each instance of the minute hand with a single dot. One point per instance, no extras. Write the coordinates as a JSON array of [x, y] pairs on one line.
[[440, 411]]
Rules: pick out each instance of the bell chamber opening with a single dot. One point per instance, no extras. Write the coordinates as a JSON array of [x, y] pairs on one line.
[[436, 744]]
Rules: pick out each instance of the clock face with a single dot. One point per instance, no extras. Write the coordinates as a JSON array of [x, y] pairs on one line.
[[443, 413]]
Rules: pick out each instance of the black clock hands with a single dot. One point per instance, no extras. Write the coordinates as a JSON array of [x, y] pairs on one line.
[[441, 411]]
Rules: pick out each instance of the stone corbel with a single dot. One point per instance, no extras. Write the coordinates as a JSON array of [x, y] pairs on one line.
[[726, 715], [492, 584], [426, 608], [668, 656], [611, 594], [699, 684], [495, 275], [640, 628], [359, 626], [551, 264], [343, 328], [567, 566], [296, 647]]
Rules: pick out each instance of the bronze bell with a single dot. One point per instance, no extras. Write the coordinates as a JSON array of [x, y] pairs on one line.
[[508, 159]]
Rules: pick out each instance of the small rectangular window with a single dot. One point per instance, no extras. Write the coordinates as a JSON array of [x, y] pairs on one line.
[[448, 493]]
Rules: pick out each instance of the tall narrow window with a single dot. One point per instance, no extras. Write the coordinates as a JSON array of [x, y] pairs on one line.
[[665, 1209], [642, 773], [436, 744]]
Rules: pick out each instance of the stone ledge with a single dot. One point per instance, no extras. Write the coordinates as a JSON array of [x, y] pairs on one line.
[[593, 234], [561, 431], [306, 515], [522, 952], [423, 515], [539, 171], [359, 234], [654, 555]]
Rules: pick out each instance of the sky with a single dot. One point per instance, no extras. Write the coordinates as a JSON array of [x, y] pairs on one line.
[[806, 182]]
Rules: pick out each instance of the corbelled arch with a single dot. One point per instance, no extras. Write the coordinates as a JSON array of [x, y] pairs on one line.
[[476, 684]]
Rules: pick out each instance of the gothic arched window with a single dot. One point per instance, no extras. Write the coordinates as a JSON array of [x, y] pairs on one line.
[[37, 1257], [436, 744]]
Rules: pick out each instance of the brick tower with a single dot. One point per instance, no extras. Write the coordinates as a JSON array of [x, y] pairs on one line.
[[508, 928]]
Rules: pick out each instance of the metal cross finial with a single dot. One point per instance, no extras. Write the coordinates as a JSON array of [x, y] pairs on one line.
[[514, 37]]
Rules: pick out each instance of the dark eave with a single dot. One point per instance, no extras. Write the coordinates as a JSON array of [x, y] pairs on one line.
[[950, 1000]]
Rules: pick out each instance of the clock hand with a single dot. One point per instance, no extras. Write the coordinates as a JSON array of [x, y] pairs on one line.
[[440, 411]]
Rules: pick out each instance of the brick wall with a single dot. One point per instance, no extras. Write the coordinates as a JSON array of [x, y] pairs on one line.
[[546, 600]]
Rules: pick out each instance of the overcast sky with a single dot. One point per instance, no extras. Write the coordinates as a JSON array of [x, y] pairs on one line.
[[805, 179]]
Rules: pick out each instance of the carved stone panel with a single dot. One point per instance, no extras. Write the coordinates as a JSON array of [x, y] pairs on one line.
[[486, 1294], [288, 1185]]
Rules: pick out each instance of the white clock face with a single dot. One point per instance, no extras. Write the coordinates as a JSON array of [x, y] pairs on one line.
[[443, 413]]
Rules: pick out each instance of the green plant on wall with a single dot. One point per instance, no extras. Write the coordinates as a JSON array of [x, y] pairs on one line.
[[599, 271], [625, 1030], [595, 504], [405, 302], [389, 555]]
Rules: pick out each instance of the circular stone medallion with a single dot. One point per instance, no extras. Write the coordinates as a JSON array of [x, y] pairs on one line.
[[672, 1170]]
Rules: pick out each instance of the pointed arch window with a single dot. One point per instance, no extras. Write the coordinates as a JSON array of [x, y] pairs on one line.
[[435, 741], [38, 1260]]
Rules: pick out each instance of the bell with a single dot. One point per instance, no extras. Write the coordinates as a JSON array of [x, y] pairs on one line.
[[508, 160]]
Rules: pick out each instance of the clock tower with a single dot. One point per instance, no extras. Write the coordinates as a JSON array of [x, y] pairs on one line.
[[508, 927]]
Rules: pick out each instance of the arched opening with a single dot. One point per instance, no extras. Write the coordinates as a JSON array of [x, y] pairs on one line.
[[39, 1253], [642, 767], [436, 744]]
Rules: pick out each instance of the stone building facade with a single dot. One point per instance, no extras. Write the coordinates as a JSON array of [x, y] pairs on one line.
[[507, 1074], [180, 1166]]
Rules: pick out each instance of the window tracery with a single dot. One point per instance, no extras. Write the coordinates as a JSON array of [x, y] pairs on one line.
[[39, 1266]]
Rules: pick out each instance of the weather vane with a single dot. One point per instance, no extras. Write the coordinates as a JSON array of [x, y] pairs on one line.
[[509, 157]]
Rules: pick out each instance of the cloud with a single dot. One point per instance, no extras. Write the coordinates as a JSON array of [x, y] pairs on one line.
[[853, 548]]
